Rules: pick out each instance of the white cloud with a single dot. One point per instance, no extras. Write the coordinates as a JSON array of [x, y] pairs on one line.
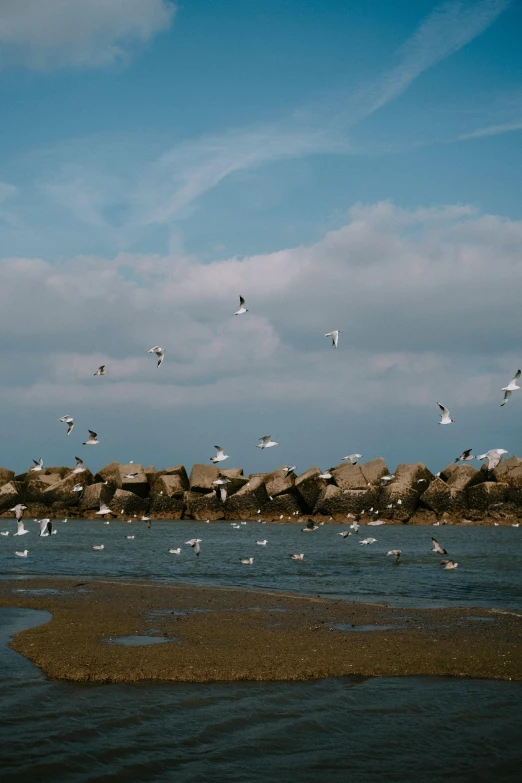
[[493, 130], [45, 34], [425, 313]]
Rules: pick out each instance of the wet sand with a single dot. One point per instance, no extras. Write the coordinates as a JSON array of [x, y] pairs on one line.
[[223, 634]]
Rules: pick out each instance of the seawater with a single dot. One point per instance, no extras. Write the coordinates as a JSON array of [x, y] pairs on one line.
[[410, 729]]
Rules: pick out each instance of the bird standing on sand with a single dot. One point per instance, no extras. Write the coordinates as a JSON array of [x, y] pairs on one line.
[[242, 308], [511, 387], [445, 417], [335, 336], [266, 442], [465, 456], [101, 370], [160, 353], [194, 543], [437, 548], [220, 456], [92, 439]]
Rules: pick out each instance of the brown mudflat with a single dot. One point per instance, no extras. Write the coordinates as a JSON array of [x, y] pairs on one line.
[[233, 634]]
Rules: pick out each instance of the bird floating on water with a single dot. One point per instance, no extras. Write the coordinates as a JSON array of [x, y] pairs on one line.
[[262, 543], [92, 440], [22, 554], [367, 541], [266, 442], [376, 522], [160, 353], [242, 308], [247, 561], [511, 387], [445, 417], [335, 336], [297, 557], [175, 551], [99, 546]]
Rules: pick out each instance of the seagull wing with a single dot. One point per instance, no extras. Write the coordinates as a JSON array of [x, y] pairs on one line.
[[92, 434], [241, 301], [517, 376], [507, 395], [445, 411]]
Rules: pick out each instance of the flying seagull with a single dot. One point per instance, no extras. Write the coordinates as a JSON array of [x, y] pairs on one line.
[[297, 557], [449, 565], [310, 527], [101, 370], [445, 417], [70, 423], [19, 511], [335, 336], [266, 442], [512, 386], [222, 482], [160, 353], [288, 469], [104, 509], [494, 456], [465, 456], [325, 475], [247, 561], [396, 553], [354, 526], [38, 465], [79, 466], [220, 456], [437, 548], [242, 308], [353, 458], [21, 531], [344, 534], [92, 439], [46, 527], [131, 475], [194, 543], [367, 541]]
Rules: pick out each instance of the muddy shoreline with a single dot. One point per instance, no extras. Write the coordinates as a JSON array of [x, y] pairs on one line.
[[226, 634]]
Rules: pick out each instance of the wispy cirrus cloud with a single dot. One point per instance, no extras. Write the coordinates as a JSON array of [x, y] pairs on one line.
[[45, 34], [493, 130]]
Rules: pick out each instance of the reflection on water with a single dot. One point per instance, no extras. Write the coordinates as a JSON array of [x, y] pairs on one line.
[[489, 572], [409, 730]]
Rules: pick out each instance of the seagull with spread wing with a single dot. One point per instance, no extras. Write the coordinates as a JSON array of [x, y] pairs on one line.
[[70, 423], [445, 417], [92, 439], [511, 387], [266, 442], [220, 456], [101, 370], [160, 353], [242, 308], [335, 336], [465, 456]]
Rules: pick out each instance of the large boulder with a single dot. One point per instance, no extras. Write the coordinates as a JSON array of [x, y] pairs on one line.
[[441, 498], [61, 496], [203, 506], [167, 507], [35, 484], [412, 476], [152, 474], [309, 486], [463, 477], [286, 504], [279, 483], [109, 473], [124, 502], [348, 476], [232, 472], [374, 470], [177, 470], [171, 485], [6, 476], [139, 484], [510, 472], [335, 502], [245, 503], [202, 477], [10, 495], [448, 471], [487, 494], [398, 502], [96, 494]]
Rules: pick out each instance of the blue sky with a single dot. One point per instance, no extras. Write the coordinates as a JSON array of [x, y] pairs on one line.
[[342, 165]]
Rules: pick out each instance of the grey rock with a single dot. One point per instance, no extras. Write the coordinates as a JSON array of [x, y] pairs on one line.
[[60, 495], [278, 483], [35, 485], [440, 497], [510, 472], [309, 487], [286, 504], [463, 477], [391, 495], [171, 485], [348, 476], [246, 502], [482, 496], [203, 506], [167, 507], [109, 473], [138, 485], [10, 495], [124, 502], [6, 476], [96, 494], [202, 477], [374, 470]]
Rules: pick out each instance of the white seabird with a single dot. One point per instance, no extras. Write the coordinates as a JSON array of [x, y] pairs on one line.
[[160, 353], [288, 469], [354, 526], [78, 488], [353, 458], [70, 423], [465, 456], [445, 417], [18, 510], [22, 554], [437, 548], [310, 527], [38, 465], [449, 565], [79, 466], [512, 386], [262, 543], [92, 439], [376, 522], [494, 457], [396, 553], [46, 527], [335, 336], [344, 534], [194, 543], [366, 541], [389, 477], [297, 557], [4, 532], [175, 551], [326, 475], [266, 442], [21, 531], [247, 561], [131, 475], [129, 538], [242, 308], [220, 456], [99, 546], [104, 509], [101, 370]]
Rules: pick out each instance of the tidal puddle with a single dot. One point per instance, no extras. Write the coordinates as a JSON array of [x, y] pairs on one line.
[[139, 641], [350, 627]]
